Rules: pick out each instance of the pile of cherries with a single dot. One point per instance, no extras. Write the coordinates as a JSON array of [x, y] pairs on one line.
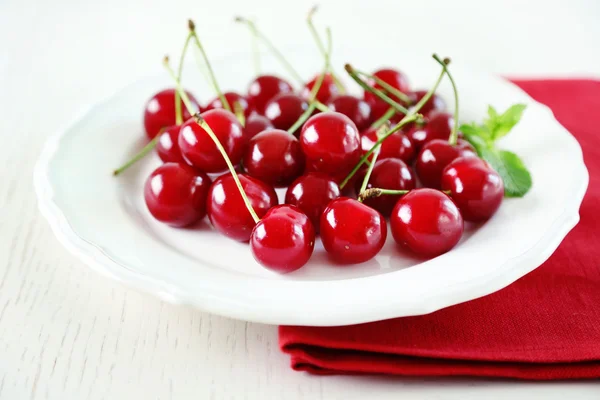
[[320, 144]]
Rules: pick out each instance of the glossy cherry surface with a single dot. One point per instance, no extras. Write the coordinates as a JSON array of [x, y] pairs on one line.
[[475, 187], [390, 173], [176, 194], [231, 98], [275, 157], [352, 232], [358, 110], [435, 103], [438, 126], [263, 88], [331, 144], [283, 240], [199, 150], [284, 110], [397, 145], [255, 124], [159, 111], [427, 222], [393, 78], [167, 146], [435, 156], [312, 193], [327, 90], [226, 208]]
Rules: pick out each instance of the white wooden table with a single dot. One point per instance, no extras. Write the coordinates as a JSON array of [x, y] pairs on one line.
[[65, 332]]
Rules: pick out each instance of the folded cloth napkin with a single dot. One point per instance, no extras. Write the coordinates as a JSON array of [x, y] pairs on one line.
[[544, 326]]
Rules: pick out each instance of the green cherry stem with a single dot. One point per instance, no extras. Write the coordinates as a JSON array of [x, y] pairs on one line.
[[365, 182], [402, 96], [320, 106], [454, 134], [376, 192], [383, 119], [178, 113], [255, 50], [211, 73], [239, 113], [354, 75], [200, 121], [141, 154], [319, 42], [272, 48]]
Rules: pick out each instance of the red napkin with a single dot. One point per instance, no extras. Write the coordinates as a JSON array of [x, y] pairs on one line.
[[544, 326]]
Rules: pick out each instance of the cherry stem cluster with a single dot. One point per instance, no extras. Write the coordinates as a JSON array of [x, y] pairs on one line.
[[365, 182], [178, 113], [202, 123], [454, 134], [386, 86]]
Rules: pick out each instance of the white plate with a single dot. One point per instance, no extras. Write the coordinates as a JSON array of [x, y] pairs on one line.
[[104, 221]]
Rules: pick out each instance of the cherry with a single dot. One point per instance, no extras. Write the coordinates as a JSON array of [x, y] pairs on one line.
[[331, 144], [427, 222], [263, 88], [434, 157], [397, 145], [231, 98], [283, 240], [352, 232], [435, 103], [255, 124], [226, 208], [311, 193], [275, 157], [167, 146], [475, 187], [327, 90], [159, 112], [284, 110], [358, 110], [390, 173], [176, 194], [199, 150], [438, 126], [393, 78]]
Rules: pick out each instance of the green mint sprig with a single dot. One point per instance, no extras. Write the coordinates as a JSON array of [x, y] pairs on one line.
[[514, 173]]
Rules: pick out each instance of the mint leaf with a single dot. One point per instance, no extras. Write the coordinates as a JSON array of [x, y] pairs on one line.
[[500, 125], [512, 170], [474, 130]]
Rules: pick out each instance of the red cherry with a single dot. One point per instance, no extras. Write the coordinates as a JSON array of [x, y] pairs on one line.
[[434, 157], [283, 240], [433, 105], [438, 126], [390, 173], [255, 124], [284, 110], [393, 78], [226, 208], [327, 90], [199, 150], [159, 112], [397, 145], [475, 187], [167, 146], [264, 88], [231, 98], [275, 157], [352, 232], [331, 144], [311, 193], [176, 194], [358, 110], [427, 222]]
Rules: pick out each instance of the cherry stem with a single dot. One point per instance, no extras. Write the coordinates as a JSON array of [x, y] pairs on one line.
[[321, 47], [255, 51], [313, 102], [178, 113], [200, 121], [211, 73], [365, 182], [239, 113], [320, 106], [383, 119], [352, 72], [454, 134], [141, 154], [272, 48], [376, 192], [402, 96]]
